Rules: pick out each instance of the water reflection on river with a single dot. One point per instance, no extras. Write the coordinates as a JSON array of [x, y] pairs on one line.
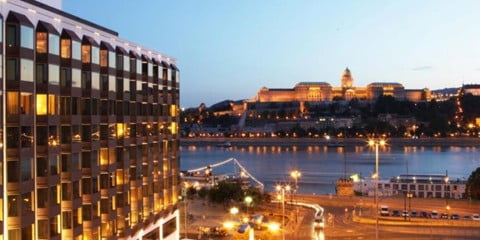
[[321, 165]]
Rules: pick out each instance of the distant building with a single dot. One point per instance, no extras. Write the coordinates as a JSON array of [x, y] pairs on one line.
[[323, 91], [422, 186], [473, 89]]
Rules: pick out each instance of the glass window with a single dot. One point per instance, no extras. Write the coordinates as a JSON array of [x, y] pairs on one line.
[[12, 36], [53, 44], [42, 167], [42, 42], [111, 59], [103, 58], [12, 103], [26, 169], [12, 69], [126, 63], [43, 228], [13, 137], [42, 194], [26, 103], [53, 165], [76, 50], [26, 137], [66, 51], [76, 78], [26, 35], [150, 70], [41, 104], [126, 85], [67, 220], [13, 205], [53, 74], [86, 53], [52, 104], [95, 55], [86, 80], [26, 72], [139, 66], [119, 62], [95, 81], [111, 83], [66, 77], [41, 73], [12, 171]]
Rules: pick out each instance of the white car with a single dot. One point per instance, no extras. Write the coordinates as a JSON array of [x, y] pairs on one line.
[[434, 215], [384, 211], [405, 213], [476, 217]]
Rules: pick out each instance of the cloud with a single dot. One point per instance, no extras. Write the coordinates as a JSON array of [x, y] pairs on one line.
[[423, 68]]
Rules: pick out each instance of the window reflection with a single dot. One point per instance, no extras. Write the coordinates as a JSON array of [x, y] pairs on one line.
[[26, 37], [86, 53]]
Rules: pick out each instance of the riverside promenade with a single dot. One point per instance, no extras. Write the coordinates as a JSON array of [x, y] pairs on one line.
[[398, 142]]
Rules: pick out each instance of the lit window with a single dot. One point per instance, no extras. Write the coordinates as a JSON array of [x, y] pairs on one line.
[[66, 48], [103, 58], [103, 156], [41, 104], [52, 104], [26, 103], [86, 53], [12, 103], [42, 42]]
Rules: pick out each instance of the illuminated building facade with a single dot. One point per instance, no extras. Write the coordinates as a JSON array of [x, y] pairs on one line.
[[322, 91], [89, 131]]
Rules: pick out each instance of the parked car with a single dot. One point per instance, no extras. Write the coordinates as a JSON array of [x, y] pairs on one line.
[[424, 214], [455, 216], [444, 216], [476, 217], [243, 228], [414, 213], [404, 213], [396, 213], [467, 217], [434, 215], [384, 211]]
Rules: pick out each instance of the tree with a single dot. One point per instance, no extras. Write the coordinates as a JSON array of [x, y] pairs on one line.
[[473, 184], [203, 192]]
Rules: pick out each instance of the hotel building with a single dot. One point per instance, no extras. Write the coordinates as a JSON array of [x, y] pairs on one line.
[[89, 130], [324, 92]]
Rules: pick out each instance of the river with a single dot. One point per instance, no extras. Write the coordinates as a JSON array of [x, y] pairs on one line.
[[321, 166]]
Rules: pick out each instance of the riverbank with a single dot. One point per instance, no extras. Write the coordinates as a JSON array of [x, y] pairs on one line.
[[397, 142]]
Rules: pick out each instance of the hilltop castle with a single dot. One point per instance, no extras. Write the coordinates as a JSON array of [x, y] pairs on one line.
[[323, 91]]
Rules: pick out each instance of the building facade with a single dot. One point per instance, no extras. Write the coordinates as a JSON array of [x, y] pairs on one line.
[[323, 91], [89, 130]]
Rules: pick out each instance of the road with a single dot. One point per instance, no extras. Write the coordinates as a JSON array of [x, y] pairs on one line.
[[340, 225]]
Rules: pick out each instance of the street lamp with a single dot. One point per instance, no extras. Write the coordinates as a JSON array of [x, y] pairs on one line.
[[295, 174], [248, 200], [376, 143], [186, 185], [282, 188], [409, 195]]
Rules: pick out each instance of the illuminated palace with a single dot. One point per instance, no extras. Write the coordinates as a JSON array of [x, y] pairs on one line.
[[322, 91], [89, 130]]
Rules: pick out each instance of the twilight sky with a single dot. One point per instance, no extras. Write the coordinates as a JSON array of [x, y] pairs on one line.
[[228, 49]]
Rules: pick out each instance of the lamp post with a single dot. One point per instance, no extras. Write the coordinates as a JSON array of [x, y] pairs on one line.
[[186, 185], [376, 143], [295, 174], [282, 188], [409, 196], [248, 200]]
